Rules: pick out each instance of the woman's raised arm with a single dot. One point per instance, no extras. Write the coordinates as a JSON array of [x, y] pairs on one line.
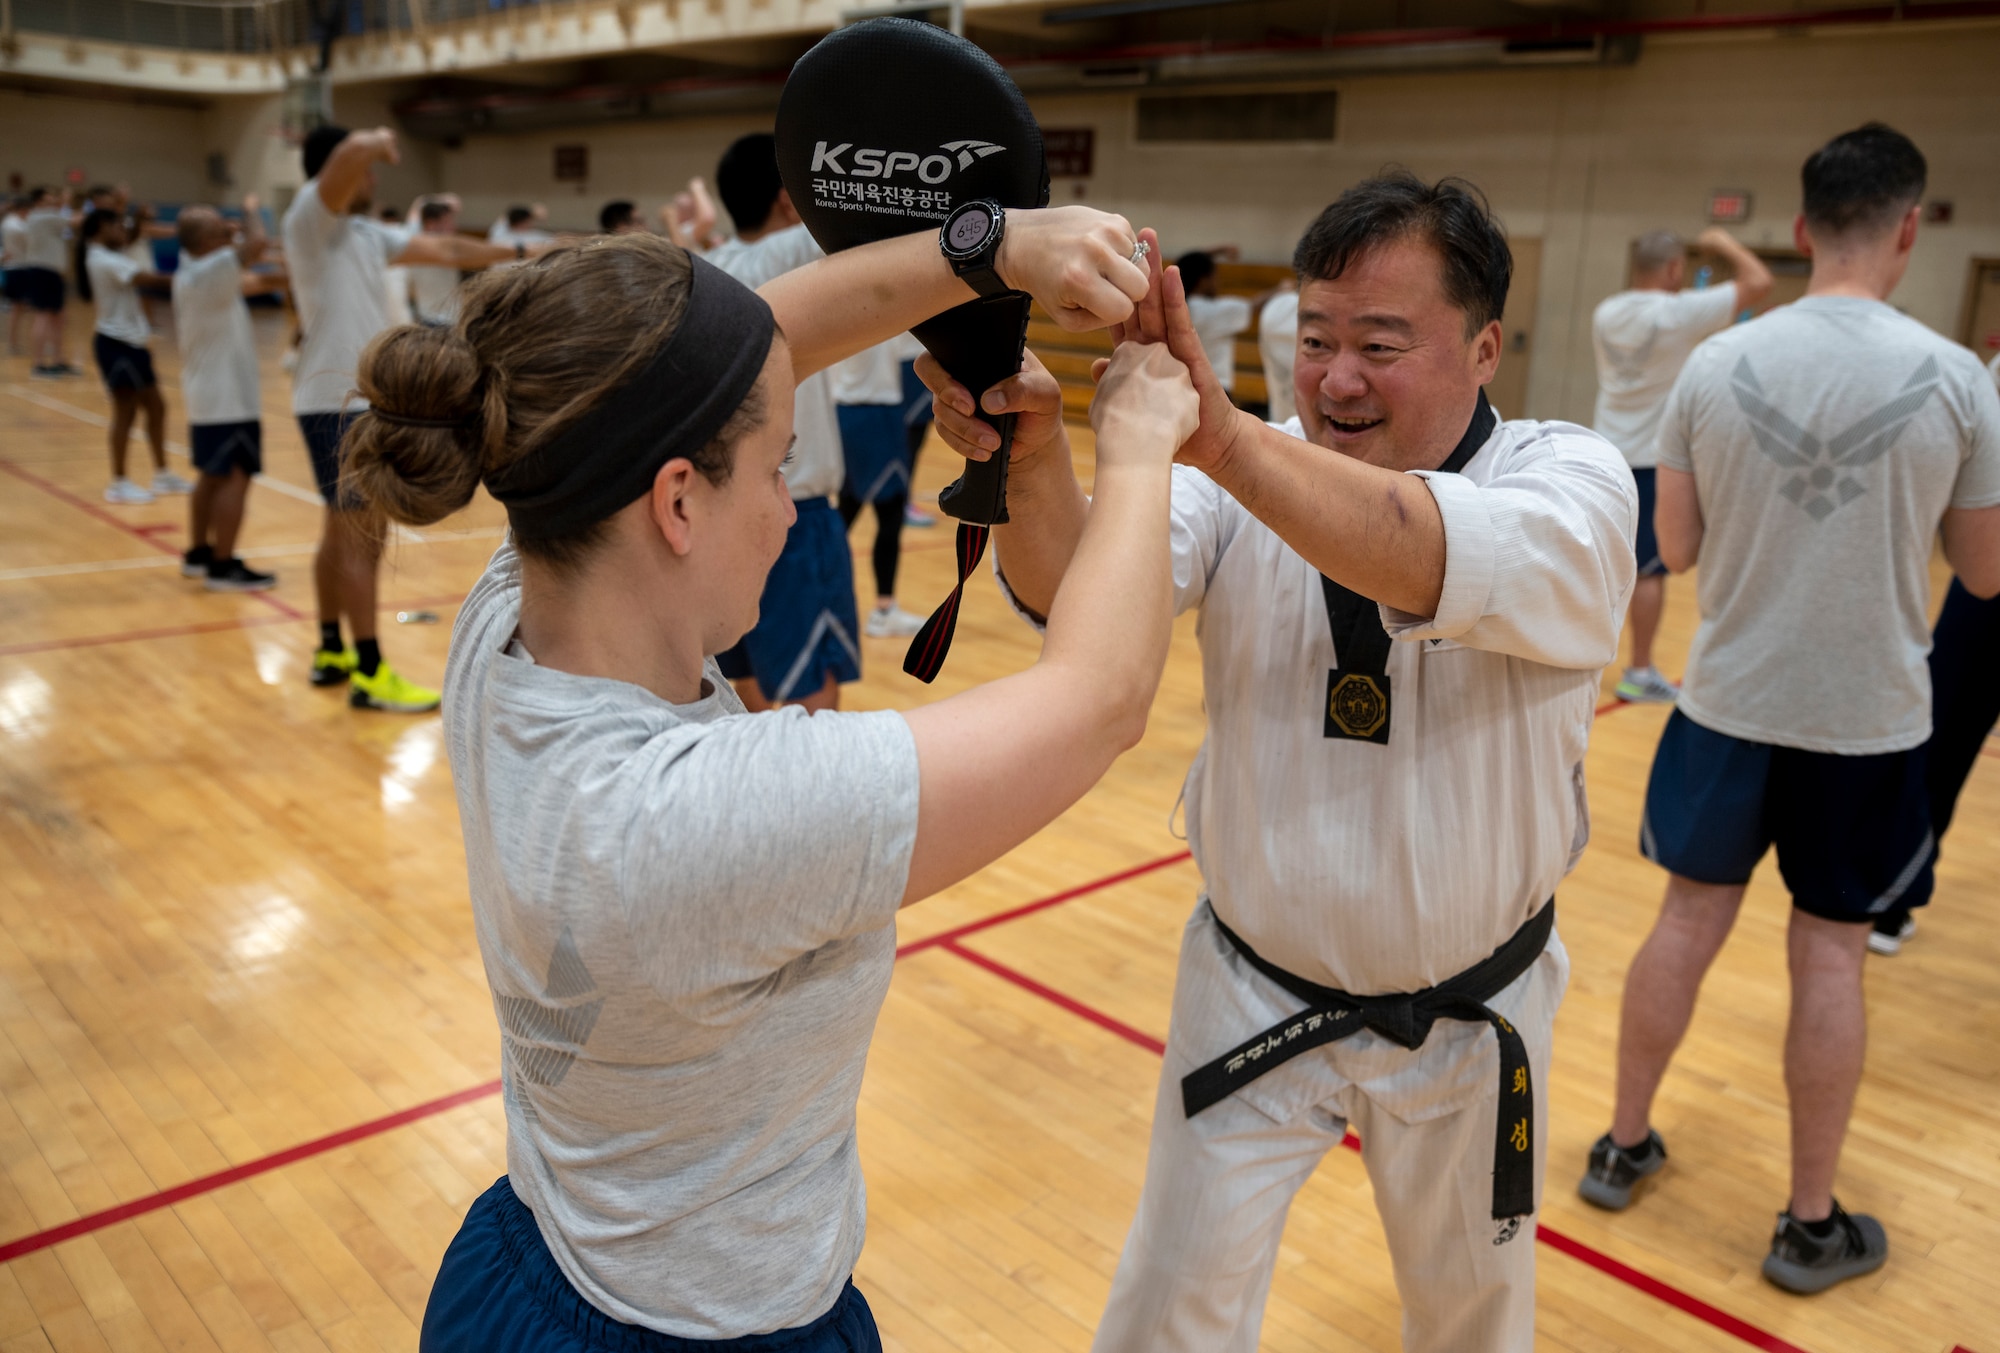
[[1076, 261]]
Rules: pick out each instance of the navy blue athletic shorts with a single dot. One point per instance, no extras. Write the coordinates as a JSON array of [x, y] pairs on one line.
[[806, 622], [323, 432], [499, 1291], [1645, 544], [41, 288], [11, 285], [123, 366], [876, 444], [1853, 832], [219, 448]]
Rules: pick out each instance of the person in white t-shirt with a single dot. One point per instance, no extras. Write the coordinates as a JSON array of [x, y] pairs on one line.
[[49, 224], [110, 277], [396, 278], [1277, 343], [337, 259], [219, 385], [805, 642], [1807, 462], [434, 290], [14, 265], [1218, 318], [1643, 335]]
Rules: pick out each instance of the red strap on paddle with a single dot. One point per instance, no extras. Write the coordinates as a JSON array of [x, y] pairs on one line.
[[927, 651]]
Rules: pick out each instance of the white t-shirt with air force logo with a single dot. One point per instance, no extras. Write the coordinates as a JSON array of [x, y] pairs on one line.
[[1827, 439]]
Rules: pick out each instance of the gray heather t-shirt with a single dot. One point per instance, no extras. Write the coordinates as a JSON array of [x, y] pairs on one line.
[[1826, 439], [687, 915]]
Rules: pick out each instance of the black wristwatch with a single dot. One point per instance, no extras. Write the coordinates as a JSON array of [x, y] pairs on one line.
[[970, 241]]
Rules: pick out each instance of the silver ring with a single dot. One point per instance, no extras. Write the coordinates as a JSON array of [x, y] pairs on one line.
[[1139, 251]]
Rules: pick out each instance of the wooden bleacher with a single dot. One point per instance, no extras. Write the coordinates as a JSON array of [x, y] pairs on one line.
[[1068, 356]]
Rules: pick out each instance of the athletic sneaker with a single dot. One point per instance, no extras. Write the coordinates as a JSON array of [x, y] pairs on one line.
[[1645, 686], [195, 562], [166, 481], [125, 493], [917, 517], [43, 372], [1890, 943], [891, 622], [67, 369], [388, 690], [1616, 1170], [1805, 1263], [233, 575], [333, 669]]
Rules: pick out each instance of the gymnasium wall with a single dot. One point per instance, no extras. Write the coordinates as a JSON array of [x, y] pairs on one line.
[[159, 148], [1584, 158]]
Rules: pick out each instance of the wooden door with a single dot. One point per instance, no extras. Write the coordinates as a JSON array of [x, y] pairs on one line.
[[1981, 330], [1509, 387]]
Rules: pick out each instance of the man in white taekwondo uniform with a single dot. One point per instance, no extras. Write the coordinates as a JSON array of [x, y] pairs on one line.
[[1405, 607]]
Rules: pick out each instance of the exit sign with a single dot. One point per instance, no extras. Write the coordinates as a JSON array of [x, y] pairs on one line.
[[1729, 207]]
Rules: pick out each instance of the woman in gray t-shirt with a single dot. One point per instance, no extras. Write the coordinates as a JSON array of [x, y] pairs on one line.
[[686, 911]]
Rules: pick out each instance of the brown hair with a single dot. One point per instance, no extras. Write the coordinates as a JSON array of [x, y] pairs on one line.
[[534, 348]]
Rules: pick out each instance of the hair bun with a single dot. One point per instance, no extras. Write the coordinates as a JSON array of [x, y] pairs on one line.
[[417, 454]]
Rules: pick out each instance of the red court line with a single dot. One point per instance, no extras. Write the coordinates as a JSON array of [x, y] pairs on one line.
[[139, 1207], [1056, 900], [1054, 997], [202, 627], [144, 534], [133, 636]]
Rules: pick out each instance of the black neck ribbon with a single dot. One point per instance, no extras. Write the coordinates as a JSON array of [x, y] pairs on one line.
[[674, 406], [1357, 692]]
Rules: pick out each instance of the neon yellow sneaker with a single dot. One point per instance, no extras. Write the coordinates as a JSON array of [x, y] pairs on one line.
[[388, 690], [333, 669]]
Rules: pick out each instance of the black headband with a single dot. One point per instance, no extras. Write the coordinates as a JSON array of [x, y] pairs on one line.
[[672, 407]]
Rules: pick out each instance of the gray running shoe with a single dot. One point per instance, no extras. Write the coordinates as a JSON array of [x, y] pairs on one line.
[[1616, 1170], [1804, 1263], [1645, 686]]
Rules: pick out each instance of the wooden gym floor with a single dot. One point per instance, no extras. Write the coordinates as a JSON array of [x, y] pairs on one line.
[[248, 1057]]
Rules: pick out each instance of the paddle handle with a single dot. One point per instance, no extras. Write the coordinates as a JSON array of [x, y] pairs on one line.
[[980, 344], [979, 496]]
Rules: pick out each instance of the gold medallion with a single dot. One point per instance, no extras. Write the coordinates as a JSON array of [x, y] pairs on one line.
[[1357, 705]]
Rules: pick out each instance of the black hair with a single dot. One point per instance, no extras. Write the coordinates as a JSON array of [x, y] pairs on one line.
[[319, 146], [1862, 180], [1451, 215], [615, 214], [520, 215], [1196, 266], [747, 180], [434, 211], [93, 224]]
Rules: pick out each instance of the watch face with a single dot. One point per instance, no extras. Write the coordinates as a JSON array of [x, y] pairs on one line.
[[969, 229]]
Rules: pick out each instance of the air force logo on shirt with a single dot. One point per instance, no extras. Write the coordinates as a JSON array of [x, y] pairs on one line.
[[1824, 482], [1631, 363]]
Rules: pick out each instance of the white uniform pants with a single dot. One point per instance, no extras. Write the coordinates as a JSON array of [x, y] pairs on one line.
[[1197, 1264]]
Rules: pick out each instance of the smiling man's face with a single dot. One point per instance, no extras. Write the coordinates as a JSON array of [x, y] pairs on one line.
[[1385, 372]]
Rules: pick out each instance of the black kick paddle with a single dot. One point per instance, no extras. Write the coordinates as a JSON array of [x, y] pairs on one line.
[[883, 128]]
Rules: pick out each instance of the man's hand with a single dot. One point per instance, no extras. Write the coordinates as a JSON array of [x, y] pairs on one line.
[[1077, 261], [1145, 406], [1034, 396], [1221, 420]]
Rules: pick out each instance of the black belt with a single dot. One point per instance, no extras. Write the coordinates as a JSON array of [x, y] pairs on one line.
[[1405, 1019]]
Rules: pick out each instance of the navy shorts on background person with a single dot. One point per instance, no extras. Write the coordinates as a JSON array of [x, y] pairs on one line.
[[220, 448], [123, 366], [41, 289], [1853, 832], [1645, 544], [876, 445], [806, 622], [499, 1291], [323, 432], [11, 285]]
